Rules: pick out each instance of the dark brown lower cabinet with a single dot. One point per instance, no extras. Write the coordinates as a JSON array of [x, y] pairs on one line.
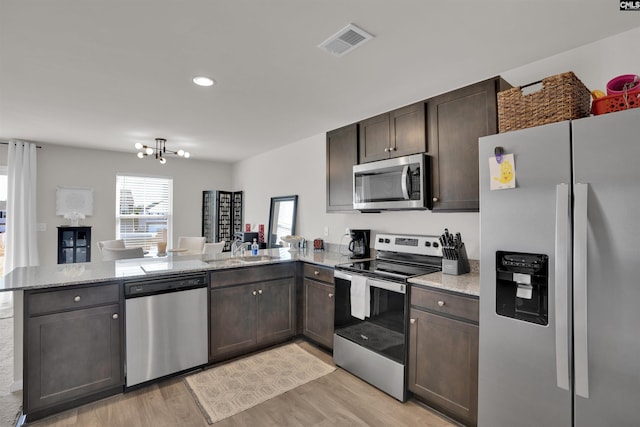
[[233, 320], [318, 311], [443, 353], [275, 320], [251, 307], [73, 347], [319, 305]]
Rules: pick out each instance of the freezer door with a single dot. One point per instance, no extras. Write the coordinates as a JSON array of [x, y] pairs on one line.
[[607, 346], [518, 365]]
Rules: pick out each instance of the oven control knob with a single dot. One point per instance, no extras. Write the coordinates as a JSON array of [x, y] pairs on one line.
[[427, 244], [380, 240], [435, 244], [387, 240]]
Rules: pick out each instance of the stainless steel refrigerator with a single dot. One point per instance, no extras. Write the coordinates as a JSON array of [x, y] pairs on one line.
[[560, 276]]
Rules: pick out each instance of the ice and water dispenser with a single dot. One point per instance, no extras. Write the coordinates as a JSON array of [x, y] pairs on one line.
[[522, 284]]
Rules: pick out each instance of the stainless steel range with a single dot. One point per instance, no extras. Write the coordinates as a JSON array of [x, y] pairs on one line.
[[371, 306]]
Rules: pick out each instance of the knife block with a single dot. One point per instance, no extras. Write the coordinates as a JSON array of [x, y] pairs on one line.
[[456, 267]]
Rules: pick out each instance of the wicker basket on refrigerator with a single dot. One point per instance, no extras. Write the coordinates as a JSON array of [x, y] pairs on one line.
[[562, 97]]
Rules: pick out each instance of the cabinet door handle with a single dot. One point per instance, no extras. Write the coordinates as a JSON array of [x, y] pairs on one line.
[[412, 321], [386, 150], [441, 303], [392, 149], [316, 272], [76, 298], [254, 293], [260, 291], [114, 316], [330, 295], [435, 199]]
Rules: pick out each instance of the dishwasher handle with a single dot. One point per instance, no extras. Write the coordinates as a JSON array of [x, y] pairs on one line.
[[161, 285]]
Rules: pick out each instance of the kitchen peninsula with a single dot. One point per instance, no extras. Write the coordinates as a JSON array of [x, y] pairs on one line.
[[82, 306]]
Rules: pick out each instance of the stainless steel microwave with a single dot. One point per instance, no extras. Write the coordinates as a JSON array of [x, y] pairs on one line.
[[393, 184]]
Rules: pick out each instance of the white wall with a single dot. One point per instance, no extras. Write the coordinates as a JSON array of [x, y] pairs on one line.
[[594, 64], [299, 168], [97, 169]]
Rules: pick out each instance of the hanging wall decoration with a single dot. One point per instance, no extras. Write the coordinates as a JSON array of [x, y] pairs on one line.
[[74, 203]]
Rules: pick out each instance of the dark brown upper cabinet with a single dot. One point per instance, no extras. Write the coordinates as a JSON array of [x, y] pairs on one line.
[[342, 154], [455, 121], [398, 133]]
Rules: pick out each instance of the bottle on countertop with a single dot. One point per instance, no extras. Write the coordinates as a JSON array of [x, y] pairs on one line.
[[254, 248]]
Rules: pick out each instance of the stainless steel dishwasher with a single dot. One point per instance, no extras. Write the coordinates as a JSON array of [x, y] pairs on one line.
[[166, 326]]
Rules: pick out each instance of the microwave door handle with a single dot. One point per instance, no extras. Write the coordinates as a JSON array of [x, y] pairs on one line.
[[405, 182]]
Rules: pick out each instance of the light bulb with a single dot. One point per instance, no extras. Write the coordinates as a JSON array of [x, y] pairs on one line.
[[140, 154], [149, 151], [163, 160], [181, 152], [186, 155], [138, 146]]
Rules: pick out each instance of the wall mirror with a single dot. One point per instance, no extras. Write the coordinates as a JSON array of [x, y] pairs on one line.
[[282, 219]]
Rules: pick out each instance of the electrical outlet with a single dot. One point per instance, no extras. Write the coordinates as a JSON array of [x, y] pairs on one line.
[[326, 231], [347, 231]]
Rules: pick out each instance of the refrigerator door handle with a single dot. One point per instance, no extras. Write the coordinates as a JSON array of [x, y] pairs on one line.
[[581, 351], [562, 286]]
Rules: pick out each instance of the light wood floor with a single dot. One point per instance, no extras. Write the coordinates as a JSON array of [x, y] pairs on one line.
[[337, 399]]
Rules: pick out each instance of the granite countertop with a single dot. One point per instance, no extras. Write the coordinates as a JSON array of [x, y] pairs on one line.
[[24, 278], [465, 283]]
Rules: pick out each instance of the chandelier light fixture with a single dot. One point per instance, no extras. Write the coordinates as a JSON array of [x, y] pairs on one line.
[[159, 152]]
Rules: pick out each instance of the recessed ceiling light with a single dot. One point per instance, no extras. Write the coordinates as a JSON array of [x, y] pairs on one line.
[[203, 81]]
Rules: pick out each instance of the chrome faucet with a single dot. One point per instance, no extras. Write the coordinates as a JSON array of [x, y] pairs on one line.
[[237, 244]]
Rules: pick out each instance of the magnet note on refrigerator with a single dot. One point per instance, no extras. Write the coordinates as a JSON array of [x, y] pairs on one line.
[[503, 174]]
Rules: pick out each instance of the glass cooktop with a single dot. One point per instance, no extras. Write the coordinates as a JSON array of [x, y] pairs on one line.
[[389, 269]]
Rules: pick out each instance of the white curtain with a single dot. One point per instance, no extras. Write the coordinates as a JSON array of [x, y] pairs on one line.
[[21, 241]]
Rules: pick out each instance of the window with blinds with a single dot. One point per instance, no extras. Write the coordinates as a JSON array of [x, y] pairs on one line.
[[143, 210]]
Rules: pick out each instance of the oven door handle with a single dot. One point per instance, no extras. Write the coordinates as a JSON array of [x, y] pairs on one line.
[[400, 288], [337, 274]]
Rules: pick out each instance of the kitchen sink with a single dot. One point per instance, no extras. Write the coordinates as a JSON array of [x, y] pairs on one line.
[[258, 258], [241, 260]]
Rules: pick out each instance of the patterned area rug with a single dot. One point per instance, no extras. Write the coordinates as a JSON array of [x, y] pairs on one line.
[[226, 390]]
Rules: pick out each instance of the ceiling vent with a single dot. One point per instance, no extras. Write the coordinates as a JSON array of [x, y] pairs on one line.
[[345, 40]]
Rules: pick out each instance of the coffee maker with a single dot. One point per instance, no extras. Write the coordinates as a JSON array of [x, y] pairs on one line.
[[359, 244]]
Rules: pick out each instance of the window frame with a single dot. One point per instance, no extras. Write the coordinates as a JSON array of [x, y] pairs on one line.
[[147, 244]]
